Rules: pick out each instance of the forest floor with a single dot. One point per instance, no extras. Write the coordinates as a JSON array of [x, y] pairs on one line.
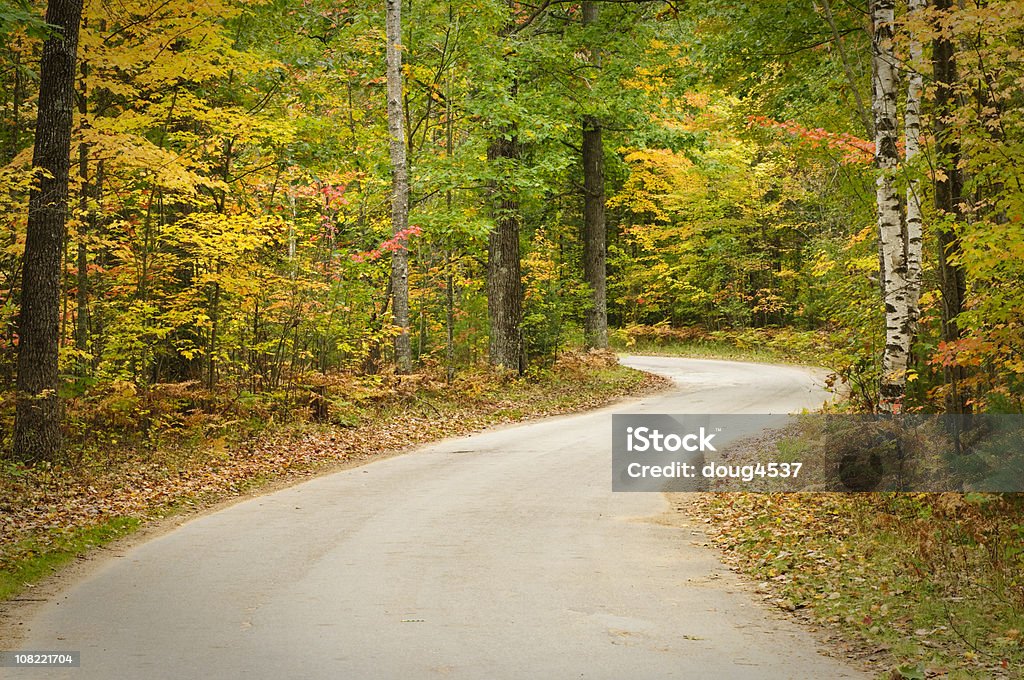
[[49, 515], [891, 576]]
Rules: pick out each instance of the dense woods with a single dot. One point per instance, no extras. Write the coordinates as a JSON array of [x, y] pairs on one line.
[[260, 193], [387, 222]]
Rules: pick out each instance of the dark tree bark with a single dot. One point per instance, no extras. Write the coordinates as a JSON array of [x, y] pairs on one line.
[[948, 202], [87, 224], [37, 425], [504, 277], [399, 188], [594, 232], [82, 292], [504, 270]]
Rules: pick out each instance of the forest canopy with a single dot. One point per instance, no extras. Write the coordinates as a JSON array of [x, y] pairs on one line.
[[577, 174]]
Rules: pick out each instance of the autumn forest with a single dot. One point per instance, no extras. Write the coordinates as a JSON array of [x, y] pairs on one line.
[[241, 239], [235, 219]]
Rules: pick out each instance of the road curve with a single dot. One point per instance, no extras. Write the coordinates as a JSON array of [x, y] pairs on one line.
[[500, 555]]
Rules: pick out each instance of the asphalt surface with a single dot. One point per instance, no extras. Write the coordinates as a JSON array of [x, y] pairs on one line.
[[500, 555]]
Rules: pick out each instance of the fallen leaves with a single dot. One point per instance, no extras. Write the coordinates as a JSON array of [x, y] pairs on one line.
[[929, 579]]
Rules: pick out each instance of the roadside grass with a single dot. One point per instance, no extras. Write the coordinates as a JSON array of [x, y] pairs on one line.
[[35, 558], [119, 476], [706, 349], [765, 345]]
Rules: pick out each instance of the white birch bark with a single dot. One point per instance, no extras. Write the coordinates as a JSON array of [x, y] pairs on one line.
[[399, 188], [912, 132], [896, 355]]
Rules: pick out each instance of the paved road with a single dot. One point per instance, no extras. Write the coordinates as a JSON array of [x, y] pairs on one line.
[[500, 555]]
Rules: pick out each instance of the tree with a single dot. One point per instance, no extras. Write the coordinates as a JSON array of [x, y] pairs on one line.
[[912, 133], [504, 269], [399, 188], [948, 190], [891, 234], [594, 234], [37, 428]]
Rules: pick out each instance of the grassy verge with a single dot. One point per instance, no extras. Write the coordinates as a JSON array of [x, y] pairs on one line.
[[51, 513], [768, 345], [35, 558], [707, 349]]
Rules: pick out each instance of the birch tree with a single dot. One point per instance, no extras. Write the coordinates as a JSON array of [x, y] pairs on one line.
[[399, 188], [892, 235], [912, 132]]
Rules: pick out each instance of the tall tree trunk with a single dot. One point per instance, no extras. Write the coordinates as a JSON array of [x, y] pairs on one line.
[[594, 232], [948, 196], [86, 219], [504, 271], [37, 425], [399, 188], [82, 284], [449, 133], [504, 277], [898, 333], [211, 364], [912, 134]]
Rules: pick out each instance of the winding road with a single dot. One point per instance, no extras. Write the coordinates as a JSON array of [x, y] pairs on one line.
[[500, 555]]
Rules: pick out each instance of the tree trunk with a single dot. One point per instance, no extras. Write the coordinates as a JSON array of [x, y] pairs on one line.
[[504, 278], [504, 273], [399, 188], [594, 232], [86, 219], [37, 433], [948, 195], [912, 134], [211, 364], [82, 285], [449, 309], [898, 333], [449, 252]]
